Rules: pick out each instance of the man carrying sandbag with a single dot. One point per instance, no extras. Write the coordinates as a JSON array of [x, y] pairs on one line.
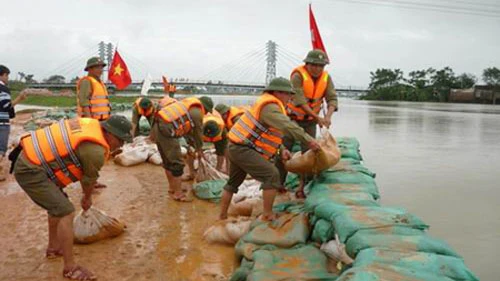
[[255, 141], [312, 85], [49, 159], [142, 107], [214, 131], [230, 114], [179, 119]]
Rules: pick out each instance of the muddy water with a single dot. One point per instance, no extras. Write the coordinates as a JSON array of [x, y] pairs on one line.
[[440, 161]]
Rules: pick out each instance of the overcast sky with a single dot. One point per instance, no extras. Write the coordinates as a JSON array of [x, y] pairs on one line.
[[193, 38]]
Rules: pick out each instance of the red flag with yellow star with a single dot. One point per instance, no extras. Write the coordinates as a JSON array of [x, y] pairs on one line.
[[118, 72]]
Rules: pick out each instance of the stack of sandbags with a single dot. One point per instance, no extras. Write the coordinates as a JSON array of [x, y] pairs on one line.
[[313, 163], [228, 231], [141, 150], [93, 225]]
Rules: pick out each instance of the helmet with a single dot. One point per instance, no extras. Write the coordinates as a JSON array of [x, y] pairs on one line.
[[280, 84], [211, 129], [222, 108], [94, 61], [118, 126], [207, 102], [317, 57], [145, 103]]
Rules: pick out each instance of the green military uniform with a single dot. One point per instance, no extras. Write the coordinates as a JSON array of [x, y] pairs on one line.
[[170, 148], [220, 146], [34, 180], [85, 92], [246, 160]]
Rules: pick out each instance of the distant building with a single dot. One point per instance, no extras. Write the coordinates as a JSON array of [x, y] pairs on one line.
[[477, 94]]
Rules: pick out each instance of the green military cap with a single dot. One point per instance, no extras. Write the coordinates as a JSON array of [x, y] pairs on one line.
[[207, 103], [211, 129], [119, 126], [280, 84], [145, 103], [222, 108], [317, 57], [94, 61]]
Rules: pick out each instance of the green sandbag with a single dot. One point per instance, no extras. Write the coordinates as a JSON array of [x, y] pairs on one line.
[[358, 218], [347, 166], [370, 188], [451, 267], [245, 250], [322, 231], [287, 231], [209, 190], [345, 177], [348, 142], [315, 199], [144, 128], [348, 152], [243, 271], [349, 161], [418, 243], [304, 263], [292, 181], [383, 272]]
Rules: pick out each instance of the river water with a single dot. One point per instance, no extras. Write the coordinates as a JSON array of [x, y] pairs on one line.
[[439, 161]]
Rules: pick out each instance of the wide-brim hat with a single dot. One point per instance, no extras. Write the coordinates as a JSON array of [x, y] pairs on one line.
[[280, 84], [118, 126], [94, 61]]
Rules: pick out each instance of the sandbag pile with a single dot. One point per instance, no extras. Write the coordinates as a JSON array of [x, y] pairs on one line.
[[366, 241], [141, 150], [228, 231], [94, 225], [313, 163]]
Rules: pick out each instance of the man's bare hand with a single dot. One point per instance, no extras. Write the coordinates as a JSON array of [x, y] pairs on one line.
[[86, 202], [285, 155]]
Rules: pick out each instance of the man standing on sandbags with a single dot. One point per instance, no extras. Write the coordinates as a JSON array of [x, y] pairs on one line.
[[255, 141], [49, 159], [312, 85], [179, 119], [230, 114], [142, 107], [214, 131], [92, 96]]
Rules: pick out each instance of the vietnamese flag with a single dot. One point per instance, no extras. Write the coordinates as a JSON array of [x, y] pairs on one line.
[[118, 72], [317, 43]]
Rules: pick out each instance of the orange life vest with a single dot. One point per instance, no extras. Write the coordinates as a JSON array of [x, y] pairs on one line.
[[177, 114], [314, 93], [56, 143], [146, 113], [99, 105], [215, 116], [166, 100], [172, 88], [248, 130], [234, 113]]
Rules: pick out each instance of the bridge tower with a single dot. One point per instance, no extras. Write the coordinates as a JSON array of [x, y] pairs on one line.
[[105, 51], [271, 61]]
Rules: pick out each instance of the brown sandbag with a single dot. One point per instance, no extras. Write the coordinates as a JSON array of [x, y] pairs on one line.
[[313, 163], [93, 225], [228, 231]]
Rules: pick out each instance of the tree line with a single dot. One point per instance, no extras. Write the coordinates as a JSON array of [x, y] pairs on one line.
[[424, 85]]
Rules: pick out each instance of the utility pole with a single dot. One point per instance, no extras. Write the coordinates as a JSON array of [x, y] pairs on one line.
[[271, 61]]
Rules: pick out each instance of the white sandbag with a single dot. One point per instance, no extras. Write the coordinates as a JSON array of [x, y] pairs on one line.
[[155, 158], [248, 189], [93, 225], [132, 156], [228, 231], [207, 171], [244, 208], [336, 250], [313, 163]]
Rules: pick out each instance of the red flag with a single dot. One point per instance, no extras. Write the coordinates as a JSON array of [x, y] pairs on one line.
[[118, 72], [317, 43]]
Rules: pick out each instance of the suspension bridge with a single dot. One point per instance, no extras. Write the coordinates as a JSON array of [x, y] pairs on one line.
[[247, 74]]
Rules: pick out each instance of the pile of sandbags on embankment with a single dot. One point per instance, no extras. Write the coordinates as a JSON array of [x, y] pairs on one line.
[[360, 239], [141, 150]]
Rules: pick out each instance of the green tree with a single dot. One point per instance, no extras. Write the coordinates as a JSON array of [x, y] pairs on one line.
[[491, 76], [29, 79], [57, 79], [442, 81], [384, 77], [466, 81]]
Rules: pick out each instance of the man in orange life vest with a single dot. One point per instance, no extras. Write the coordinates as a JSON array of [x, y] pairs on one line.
[[49, 159], [142, 107], [92, 95], [256, 139], [179, 119], [312, 85], [230, 114], [214, 131]]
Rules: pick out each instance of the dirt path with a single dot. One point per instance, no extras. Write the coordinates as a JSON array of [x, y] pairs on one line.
[[163, 240]]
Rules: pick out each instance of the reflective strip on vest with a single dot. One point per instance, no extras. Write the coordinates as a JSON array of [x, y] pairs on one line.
[[40, 157], [314, 92]]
